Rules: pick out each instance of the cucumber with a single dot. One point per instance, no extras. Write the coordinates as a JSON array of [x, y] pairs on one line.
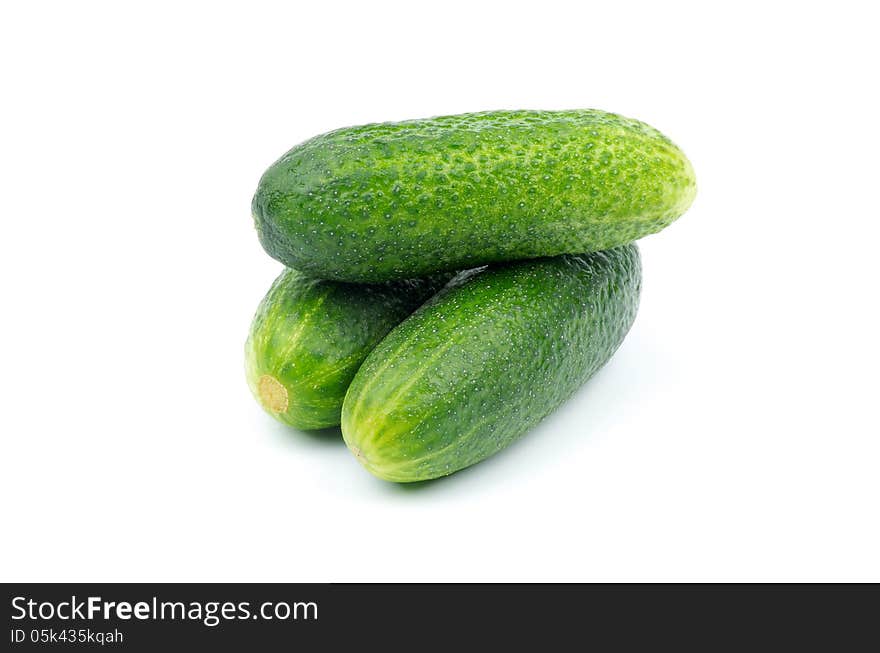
[[401, 200], [309, 337], [485, 359]]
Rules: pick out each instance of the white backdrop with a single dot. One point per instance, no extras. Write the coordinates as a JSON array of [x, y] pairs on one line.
[[734, 436]]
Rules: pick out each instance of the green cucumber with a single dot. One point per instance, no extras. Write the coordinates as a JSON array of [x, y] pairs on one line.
[[485, 359], [401, 200], [309, 337]]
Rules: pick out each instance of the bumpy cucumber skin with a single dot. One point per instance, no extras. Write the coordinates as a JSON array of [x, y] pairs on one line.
[[400, 200], [485, 359], [310, 336]]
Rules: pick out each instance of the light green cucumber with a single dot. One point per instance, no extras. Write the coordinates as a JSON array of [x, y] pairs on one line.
[[402, 200], [485, 359], [309, 337]]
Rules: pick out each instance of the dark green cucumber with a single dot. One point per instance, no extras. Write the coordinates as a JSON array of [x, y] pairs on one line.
[[401, 200], [484, 360], [309, 337]]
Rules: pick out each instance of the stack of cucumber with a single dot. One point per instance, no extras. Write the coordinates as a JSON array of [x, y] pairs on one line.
[[451, 281]]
